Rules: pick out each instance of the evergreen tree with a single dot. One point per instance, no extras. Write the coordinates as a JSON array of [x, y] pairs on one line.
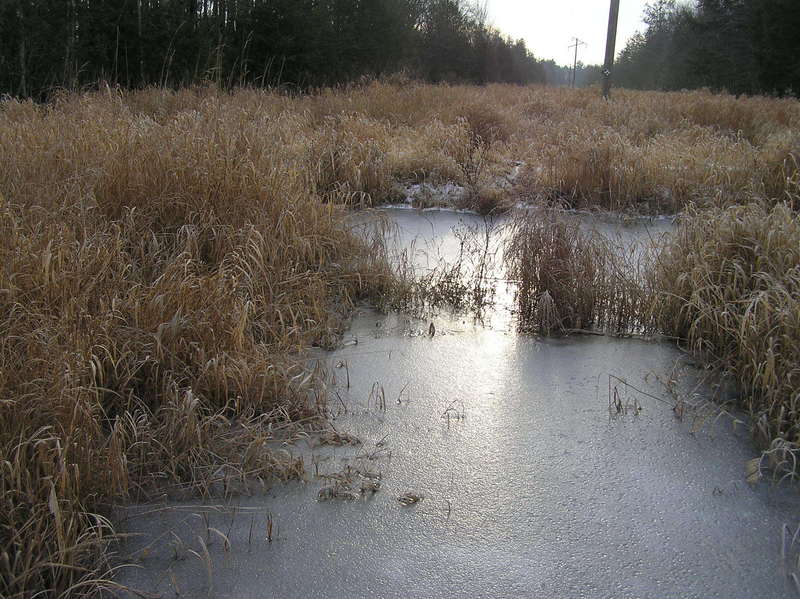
[[742, 46], [72, 43]]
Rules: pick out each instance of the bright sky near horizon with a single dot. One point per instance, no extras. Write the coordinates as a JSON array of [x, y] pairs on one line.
[[548, 26]]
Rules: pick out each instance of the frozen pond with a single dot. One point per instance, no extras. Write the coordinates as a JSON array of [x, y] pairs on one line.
[[530, 486]]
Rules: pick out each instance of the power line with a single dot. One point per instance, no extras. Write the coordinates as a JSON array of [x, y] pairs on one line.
[[575, 63]]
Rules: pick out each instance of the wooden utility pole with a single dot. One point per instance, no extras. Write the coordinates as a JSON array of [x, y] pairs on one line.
[[611, 42], [575, 63]]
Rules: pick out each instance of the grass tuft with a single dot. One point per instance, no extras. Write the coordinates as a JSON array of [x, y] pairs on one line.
[[729, 283], [573, 280]]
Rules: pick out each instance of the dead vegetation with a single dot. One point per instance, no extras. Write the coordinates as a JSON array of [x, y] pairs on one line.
[[644, 152], [461, 283], [350, 483], [166, 257], [410, 498], [572, 280], [729, 284], [336, 439], [726, 284], [658, 152], [161, 272]]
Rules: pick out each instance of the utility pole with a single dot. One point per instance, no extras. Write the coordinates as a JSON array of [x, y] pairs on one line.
[[575, 63], [611, 41]]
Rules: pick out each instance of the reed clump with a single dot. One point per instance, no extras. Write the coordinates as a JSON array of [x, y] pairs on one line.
[[574, 280], [729, 284], [350, 159]]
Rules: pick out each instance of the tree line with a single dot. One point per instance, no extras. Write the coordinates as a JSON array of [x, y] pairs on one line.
[[742, 46], [46, 44]]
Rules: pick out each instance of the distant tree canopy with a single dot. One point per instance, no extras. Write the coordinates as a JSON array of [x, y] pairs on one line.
[[743, 46], [46, 44]]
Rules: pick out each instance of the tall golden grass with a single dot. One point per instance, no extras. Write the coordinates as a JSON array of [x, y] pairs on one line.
[[166, 257], [649, 151], [726, 284], [729, 284], [644, 151], [160, 275], [575, 280]]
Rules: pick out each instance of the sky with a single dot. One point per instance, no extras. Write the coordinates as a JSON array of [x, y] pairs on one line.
[[548, 26]]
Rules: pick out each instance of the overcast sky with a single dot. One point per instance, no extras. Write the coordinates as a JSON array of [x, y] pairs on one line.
[[548, 26]]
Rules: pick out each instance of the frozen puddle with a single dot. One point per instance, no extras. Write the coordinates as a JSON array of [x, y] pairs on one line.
[[529, 486]]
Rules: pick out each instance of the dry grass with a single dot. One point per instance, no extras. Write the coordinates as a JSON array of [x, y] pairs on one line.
[[572, 280], [157, 274], [462, 283], [729, 284], [642, 152], [726, 283], [656, 152], [165, 257]]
